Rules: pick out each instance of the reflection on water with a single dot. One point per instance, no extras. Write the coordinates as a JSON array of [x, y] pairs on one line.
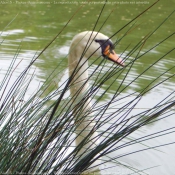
[[35, 26]]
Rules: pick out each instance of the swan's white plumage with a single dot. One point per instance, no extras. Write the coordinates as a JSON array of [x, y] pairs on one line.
[[84, 40], [79, 86]]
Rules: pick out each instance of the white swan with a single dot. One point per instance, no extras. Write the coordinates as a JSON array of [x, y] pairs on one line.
[[83, 46]]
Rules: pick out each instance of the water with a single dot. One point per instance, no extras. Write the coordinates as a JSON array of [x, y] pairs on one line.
[[37, 23]]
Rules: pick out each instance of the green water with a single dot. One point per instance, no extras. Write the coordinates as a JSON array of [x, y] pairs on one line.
[[33, 24]]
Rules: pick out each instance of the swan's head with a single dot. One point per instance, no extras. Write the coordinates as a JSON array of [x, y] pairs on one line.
[[90, 43]]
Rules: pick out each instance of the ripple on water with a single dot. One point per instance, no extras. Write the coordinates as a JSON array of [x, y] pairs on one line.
[[11, 32]]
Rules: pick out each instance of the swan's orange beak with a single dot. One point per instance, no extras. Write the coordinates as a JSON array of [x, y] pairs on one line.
[[113, 56]]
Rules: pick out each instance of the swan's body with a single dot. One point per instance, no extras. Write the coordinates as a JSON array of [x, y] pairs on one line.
[[95, 44]]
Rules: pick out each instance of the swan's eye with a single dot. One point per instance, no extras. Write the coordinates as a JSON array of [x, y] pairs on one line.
[[105, 45]]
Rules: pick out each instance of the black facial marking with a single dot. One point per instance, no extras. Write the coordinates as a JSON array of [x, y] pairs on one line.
[[104, 44]]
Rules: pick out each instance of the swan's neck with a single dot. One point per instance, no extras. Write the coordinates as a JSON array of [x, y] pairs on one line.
[[78, 72], [83, 117]]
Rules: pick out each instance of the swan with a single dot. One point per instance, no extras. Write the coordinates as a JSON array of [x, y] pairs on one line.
[[83, 46]]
